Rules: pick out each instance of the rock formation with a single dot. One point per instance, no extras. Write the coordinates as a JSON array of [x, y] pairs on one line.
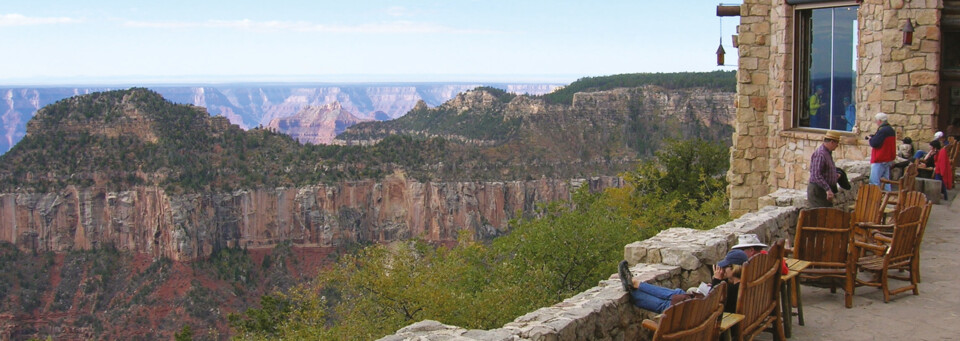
[[316, 124], [249, 106], [184, 227]]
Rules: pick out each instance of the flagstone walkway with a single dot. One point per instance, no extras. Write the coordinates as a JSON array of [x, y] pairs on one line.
[[932, 315]]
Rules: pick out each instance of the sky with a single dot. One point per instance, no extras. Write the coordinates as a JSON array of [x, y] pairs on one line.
[[217, 41]]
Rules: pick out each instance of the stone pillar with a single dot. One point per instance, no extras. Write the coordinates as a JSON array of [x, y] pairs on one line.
[[750, 154]]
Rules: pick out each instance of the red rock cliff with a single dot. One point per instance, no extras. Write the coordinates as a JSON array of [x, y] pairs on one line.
[[184, 227]]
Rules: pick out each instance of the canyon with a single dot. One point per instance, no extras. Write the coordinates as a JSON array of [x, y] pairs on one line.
[[253, 105], [188, 256]]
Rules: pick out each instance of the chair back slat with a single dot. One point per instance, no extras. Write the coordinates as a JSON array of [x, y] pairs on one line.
[[904, 236], [758, 299], [823, 238], [910, 199], [694, 319], [869, 205], [909, 180]]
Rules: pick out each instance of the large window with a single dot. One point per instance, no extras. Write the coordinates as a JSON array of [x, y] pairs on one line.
[[826, 68]]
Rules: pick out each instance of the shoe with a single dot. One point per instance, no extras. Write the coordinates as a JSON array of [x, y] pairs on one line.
[[626, 278]]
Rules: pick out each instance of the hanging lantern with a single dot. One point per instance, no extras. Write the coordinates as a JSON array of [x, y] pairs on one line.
[[720, 53], [907, 33]]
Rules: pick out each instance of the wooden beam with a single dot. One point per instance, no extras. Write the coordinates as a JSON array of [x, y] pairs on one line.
[[728, 11]]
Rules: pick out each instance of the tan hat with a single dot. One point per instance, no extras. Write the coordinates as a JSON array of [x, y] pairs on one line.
[[833, 135]]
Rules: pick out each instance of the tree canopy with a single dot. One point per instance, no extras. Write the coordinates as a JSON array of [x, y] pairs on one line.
[[566, 249]]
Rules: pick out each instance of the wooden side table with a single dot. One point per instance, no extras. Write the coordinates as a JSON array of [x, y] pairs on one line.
[[789, 281]]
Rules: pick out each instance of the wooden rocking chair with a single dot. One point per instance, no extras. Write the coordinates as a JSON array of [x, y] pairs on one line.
[[910, 199], [868, 208], [905, 183], [759, 296], [693, 319], [823, 238], [894, 253]]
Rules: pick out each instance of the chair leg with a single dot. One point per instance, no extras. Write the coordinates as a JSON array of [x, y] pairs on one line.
[[796, 288], [779, 333], [849, 286], [915, 276], [884, 285], [916, 265]]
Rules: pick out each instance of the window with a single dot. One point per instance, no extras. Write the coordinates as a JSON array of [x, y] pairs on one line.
[[826, 76]]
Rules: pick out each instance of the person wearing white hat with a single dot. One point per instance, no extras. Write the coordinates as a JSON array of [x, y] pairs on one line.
[[943, 139], [751, 245], [883, 150]]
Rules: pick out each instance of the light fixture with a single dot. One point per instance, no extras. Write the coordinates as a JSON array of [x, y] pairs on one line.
[[907, 33], [720, 53]]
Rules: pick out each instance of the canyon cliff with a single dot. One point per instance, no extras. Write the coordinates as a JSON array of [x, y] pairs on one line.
[[316, 124], [189, 226]]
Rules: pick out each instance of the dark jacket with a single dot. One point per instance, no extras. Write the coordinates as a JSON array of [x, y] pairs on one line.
[[883, 144], [733, 290]]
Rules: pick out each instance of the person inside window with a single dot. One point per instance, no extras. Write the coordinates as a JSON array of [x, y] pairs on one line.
[[850, 113], [817, 118]]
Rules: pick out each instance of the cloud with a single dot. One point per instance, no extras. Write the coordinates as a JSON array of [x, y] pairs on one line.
[[395, 27], [21, 20]]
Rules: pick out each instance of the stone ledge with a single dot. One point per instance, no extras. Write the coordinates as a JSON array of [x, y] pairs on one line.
[[931, 189], [694, 251], [674, 258], [857, 173]]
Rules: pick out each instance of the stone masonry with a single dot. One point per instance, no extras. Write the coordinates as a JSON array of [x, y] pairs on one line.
[[768, 153], [675, 258]]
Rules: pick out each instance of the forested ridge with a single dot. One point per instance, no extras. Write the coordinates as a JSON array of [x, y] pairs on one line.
[[718, 80], [124, 138]]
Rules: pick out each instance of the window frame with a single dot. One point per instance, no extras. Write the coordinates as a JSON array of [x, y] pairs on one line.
[[801, 60]]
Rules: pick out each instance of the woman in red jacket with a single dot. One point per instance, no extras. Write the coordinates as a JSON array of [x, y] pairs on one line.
[[943, 172]]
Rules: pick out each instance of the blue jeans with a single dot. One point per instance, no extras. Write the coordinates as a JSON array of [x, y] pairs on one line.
[[880, 170], [653, 298], [943, 186]]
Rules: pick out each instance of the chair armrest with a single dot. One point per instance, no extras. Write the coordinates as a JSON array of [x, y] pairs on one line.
[[873, 247], [875, 226], [650, 325], [888, 181], [882, 237]]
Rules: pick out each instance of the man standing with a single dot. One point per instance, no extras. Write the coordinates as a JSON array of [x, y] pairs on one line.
[[883, 151], [823, 172]]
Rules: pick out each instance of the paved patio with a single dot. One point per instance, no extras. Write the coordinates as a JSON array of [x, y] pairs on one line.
[[932, 315]]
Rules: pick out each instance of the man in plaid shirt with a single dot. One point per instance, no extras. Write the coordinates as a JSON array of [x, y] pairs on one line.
[[823, 172]]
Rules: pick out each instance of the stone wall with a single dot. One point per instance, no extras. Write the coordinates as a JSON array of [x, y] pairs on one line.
[[768, 153], [674, 258]]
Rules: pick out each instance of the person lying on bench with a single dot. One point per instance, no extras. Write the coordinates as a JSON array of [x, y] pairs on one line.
[[657, 299]]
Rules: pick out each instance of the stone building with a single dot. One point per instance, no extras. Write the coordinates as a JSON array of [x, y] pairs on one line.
[[806, 66]]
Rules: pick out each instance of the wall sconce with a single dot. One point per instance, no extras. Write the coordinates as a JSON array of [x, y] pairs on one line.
[[720, 53], [907, 33]]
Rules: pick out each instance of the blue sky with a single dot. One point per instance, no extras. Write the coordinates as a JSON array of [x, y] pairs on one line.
[[105, 41]]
